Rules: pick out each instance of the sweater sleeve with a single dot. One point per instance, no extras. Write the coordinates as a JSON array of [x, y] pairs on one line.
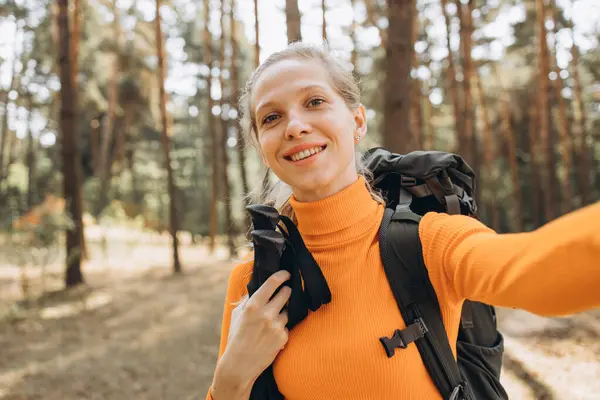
[[236, 289], [554, 270]]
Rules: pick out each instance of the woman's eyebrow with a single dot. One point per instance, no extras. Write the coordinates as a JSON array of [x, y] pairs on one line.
[[301, 90], [311, 87], [263, 105]]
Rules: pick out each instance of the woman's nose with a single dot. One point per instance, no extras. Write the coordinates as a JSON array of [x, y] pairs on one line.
[[296, 128]]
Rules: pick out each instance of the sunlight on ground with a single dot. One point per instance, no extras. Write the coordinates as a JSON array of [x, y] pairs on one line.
[[92, 302]]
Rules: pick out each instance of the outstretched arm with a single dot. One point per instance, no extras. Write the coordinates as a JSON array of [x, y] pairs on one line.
[[554, 270]]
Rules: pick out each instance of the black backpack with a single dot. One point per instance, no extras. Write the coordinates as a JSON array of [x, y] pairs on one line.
[[412, 185]]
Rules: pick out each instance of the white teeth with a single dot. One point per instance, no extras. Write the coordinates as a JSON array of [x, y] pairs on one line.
[[305, 153]]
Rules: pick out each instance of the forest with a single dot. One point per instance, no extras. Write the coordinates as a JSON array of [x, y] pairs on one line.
[[124, 175]]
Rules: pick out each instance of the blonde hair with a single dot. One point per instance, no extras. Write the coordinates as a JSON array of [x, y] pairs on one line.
[[342, 81]]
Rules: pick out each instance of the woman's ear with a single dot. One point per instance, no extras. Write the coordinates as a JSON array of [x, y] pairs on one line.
[[360, 119]]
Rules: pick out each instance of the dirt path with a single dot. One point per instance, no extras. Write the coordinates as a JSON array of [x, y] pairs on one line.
[[151, 336], [148, 335]]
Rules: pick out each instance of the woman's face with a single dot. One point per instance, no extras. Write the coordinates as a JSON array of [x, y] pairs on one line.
[[305, 130]]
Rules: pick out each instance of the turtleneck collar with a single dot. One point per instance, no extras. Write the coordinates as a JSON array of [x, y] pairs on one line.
[[337, 218]]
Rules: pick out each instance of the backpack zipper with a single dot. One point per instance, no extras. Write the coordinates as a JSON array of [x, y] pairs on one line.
[[457, 389]]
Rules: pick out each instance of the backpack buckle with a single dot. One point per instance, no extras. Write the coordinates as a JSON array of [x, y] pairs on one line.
[[407, 181]]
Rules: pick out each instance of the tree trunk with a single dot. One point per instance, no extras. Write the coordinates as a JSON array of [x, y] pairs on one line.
[[469, 150], [428, 130], [256, 36], [489, 156], [95, 146], [584, 166], [212, 130], [354, 54], [108, 125], [324, 24], [30, 157], [545, 146], [566, 144], [417, 112], [173, 222], [76, 36], [534, 165], [451, 71], [136, 196], [11, 87], [241, 145], [229, 225], [70, 150], [511, 144], [397, 132], [292, 17]]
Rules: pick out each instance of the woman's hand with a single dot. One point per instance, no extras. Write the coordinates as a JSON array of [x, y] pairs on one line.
[[257, 334]]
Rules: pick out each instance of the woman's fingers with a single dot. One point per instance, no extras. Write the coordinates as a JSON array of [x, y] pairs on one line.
[[261, 297], [278, 301]]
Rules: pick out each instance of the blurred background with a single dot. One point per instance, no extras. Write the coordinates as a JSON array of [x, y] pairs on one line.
[[123, 175]]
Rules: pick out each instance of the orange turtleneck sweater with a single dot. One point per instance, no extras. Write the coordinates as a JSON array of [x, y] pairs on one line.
[[335, 352]]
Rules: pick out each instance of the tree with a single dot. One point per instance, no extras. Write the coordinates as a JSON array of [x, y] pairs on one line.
[[292, 17], [223, 126], [108, 124], [70, 151], [235, 84], [173, 221], [544, 133], [579, 127], [469, 150], [451, 71], [511, 145], [566, 143], [324, 24], [397, 133], [208, 61]]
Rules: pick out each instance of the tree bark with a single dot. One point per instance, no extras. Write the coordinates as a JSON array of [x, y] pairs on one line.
[[212, 130], [544, 133], [292, 17], [489, 156], [354, 54], [229, 226], [579, 127], [235, 82], [417, 111], [70, 150], [11, 87], [451, 71], [469, 150], [566, 144], [397, 132], [534, 164], [511, 144], [30, 157], [256, 36], [108, 125], [324, 24], [173, 222], [76, 36]]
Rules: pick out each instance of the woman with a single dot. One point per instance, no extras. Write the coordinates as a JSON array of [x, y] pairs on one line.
[[303, 112]]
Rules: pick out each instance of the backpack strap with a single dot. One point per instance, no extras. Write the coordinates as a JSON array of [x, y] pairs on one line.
[[402, 257]]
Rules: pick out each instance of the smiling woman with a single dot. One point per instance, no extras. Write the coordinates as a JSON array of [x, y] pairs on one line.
[[302, 111]]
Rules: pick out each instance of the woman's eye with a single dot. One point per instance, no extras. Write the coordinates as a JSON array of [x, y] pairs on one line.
[[316, 102], [269, 118]]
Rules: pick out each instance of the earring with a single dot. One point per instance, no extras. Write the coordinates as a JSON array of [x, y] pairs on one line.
[[357, 137]]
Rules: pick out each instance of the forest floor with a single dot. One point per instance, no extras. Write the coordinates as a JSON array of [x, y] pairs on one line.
[[135, 331]]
